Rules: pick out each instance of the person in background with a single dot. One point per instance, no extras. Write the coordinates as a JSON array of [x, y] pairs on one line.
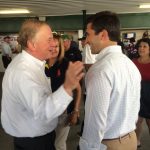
[[72, 52], [145, 34], [56, 68], [143, 64], [131, 49], [13, 45], [113, 88], [87, 58], [122, 47], [18, 46], [30, 112], [6, 52]]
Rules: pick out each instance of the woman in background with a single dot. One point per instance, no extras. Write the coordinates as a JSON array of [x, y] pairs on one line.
[[55, 69], [143, 64]]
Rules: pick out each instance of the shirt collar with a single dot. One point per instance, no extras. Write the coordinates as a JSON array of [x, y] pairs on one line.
[[33, 59], [109, 49]]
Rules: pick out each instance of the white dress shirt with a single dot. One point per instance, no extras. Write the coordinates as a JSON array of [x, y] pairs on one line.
[[87, 56], [113, 98], [6, 50], [29, 108]]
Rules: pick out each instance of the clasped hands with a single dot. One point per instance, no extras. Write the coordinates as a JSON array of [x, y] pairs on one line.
[[73, 76]]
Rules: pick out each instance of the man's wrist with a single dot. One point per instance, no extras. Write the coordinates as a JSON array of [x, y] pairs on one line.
[[67, 89], [76, 110]]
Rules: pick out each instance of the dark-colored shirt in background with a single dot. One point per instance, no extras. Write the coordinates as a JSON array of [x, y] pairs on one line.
[[73, 53], [57, 75]]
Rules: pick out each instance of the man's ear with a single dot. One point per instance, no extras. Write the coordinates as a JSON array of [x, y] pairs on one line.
[[104, 35], [30, 45]]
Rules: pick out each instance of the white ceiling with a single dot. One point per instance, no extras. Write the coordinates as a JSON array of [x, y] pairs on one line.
[[72, 7]]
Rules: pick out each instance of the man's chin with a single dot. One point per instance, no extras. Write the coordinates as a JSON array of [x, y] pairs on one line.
[[49, 56]]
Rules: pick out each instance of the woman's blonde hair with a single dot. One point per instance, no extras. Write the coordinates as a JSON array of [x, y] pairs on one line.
[[61, 47]]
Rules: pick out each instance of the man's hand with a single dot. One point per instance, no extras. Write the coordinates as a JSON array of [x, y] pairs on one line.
[[73, 118], [74, 74]]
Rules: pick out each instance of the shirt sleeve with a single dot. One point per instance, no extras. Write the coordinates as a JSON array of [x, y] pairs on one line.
[[99, 90], [36, 96]]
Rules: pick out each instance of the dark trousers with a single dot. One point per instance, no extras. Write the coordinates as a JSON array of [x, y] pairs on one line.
[[6, 60], [45, 142]]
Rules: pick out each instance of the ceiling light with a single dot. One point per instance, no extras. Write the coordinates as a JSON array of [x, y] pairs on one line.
[[144, 6], [14, 11]]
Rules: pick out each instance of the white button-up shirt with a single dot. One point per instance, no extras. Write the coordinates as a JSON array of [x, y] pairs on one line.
[[29, 108], [113, 98], [6, 49]]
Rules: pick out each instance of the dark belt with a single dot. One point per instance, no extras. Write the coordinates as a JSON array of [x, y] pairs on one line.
[[119, 138]]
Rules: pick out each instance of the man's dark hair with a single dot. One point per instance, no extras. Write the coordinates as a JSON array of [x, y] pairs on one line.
[[106, 20]]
